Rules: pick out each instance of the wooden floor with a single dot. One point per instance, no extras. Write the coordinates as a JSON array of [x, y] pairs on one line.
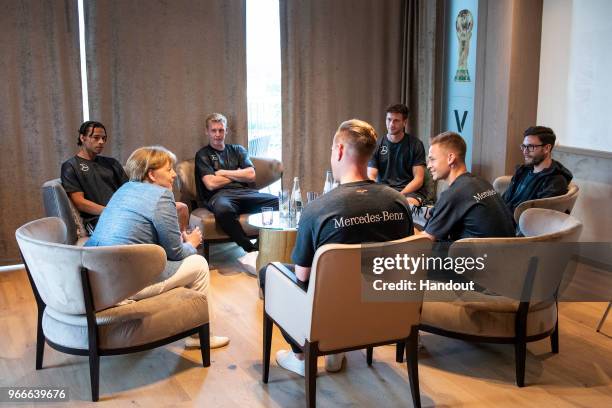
[[452, 372]]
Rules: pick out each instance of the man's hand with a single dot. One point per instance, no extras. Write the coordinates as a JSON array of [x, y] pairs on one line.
[[194, 237], [372, 173], [302, 273]]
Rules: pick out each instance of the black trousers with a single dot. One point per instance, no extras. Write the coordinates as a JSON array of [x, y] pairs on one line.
[[262, 284], [227, 205]]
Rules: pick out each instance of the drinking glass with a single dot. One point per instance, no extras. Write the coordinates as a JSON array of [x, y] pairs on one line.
[[283, 203], [311, 196], [267, 215]]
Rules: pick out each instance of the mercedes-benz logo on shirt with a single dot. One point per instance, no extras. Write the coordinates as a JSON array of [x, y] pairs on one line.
[[384, 150], [84, 167]]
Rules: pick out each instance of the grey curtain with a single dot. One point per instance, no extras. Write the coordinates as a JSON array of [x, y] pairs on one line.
[[157, 68], [341, 59], [421, 65], [40, 106]]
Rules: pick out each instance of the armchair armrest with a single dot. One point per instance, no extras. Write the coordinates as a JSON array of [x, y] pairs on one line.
[[287, 303], [289, 274], [501, 184]]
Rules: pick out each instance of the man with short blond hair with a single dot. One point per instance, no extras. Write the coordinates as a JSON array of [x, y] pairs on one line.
[[225, 177], [382, 213], [470, 207]]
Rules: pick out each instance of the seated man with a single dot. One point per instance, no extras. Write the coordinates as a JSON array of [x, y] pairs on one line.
[[540, 176], [470, 207], [90, 180], [356, 197], [399, 158], [223, 175]]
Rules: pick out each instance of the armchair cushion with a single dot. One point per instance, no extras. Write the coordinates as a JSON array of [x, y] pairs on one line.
[[485, 315], [132, 324]]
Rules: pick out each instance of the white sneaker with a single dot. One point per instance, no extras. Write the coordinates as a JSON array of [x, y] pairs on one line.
[[249, 262], [215, 341], [288, 360], [333, 362]]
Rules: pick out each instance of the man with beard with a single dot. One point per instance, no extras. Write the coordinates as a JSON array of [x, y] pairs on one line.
[[540, 176]]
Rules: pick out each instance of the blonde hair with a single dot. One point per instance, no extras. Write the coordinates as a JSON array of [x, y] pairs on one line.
[[360, 136], [216, 117], [452, 141], [147, 158]]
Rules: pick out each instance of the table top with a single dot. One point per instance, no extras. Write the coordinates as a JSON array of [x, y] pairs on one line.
[[278, 223]]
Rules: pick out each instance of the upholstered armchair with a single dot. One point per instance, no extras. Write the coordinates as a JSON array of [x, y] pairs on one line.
[[58, 204], [77, 290], [563, 203], [498, 315], [267, 171], [331, 316]]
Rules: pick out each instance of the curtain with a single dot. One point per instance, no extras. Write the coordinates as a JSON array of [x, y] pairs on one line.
[[341, 59], [421, 65], [40, 106], [157, 68]]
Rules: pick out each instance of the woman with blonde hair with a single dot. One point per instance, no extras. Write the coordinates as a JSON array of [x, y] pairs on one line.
[[143, 211]]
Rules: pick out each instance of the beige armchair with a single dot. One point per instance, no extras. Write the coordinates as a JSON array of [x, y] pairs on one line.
[[497, 316], [331, 315], [77, 290], [563, 203], [267, 171]]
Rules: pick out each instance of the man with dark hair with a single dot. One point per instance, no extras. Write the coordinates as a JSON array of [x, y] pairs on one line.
[[399, 158], [224, 177], [470, 207], [540, 176], [89, 179], [326, 219]]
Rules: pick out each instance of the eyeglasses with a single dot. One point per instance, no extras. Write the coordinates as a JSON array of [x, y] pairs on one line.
[[530, 148], [97, 138]]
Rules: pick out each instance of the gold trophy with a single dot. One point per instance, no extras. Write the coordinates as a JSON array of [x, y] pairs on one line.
[[463, 26]]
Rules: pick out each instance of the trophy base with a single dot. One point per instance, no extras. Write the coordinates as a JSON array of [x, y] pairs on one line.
[[462, 75]]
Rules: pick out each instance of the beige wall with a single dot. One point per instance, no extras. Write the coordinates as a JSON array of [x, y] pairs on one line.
[[573, 92], [507, 88]]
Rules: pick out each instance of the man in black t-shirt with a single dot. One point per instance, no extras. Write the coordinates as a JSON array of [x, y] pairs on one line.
[[224, 178], [89, 179], [540, 176], [470, 207], [357, 211], [399, 158]]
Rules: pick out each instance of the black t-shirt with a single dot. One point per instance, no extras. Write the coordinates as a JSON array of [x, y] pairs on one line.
[[352, 213], [470, 207], [525, 182], [208, 160], [98, 179], [394, 161]]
